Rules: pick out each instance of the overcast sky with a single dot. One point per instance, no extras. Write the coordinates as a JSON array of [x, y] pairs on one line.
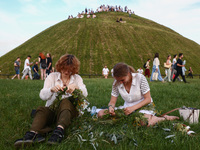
[[22, 19]]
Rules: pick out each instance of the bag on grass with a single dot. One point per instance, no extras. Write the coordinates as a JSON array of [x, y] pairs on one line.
[[155, 76], [189, 114]]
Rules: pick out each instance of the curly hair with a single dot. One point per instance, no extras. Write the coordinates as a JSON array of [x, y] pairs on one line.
[[68, 62], [42, 56]]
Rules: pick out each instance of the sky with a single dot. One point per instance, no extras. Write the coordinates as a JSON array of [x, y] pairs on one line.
[[20, 20]]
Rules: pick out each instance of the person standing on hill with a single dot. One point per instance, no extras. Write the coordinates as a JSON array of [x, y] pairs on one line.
[[43, 65], [49, 64], [17, 64], [156, 64], [105, 72], [179, 68], [27, 68], [147, 71]]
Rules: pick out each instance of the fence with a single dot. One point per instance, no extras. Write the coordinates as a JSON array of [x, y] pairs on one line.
[[8, 76]]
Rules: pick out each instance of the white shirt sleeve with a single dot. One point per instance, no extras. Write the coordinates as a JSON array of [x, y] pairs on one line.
[[144, 86], [81, 85], [115, 91], [157, 62], [46, 93]]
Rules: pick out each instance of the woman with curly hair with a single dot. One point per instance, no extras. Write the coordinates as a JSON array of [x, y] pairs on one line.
[[66, 76]]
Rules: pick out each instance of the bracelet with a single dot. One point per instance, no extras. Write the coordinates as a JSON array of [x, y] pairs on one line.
[[110, 106]]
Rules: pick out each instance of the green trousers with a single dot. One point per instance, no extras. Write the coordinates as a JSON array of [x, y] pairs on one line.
[[45, 117]]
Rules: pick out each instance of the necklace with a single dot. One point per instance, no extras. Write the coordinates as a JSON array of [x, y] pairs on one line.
[[65, 83]]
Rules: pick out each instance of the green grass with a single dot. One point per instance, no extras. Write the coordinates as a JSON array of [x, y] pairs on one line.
[[102, 41], [18, 98]]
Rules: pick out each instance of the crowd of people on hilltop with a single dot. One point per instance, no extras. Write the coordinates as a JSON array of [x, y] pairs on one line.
[[45, 66], [90, 13]]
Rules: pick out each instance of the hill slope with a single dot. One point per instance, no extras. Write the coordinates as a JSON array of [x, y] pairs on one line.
[[103, 41]]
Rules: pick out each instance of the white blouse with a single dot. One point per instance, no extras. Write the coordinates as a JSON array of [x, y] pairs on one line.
[[55, 79], [139, 88], [156, 62]]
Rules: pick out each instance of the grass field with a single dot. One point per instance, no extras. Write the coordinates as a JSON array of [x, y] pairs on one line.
[[18, 98]]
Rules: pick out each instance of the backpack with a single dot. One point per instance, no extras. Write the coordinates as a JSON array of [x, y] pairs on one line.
[[175, 65], [144, 65], [44, 64]]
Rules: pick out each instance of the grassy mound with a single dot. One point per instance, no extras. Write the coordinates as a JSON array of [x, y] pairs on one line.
[[103, 41]]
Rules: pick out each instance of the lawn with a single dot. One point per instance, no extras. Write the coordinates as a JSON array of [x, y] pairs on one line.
[[19, 97]]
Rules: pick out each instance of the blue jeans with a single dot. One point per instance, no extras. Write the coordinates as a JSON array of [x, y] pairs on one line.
[[159, 75]]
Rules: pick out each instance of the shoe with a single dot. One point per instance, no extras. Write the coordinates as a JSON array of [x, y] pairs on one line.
[[57, 136], [28, 139]]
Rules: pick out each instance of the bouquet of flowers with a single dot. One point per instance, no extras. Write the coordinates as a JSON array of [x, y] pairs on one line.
[[78, 100]]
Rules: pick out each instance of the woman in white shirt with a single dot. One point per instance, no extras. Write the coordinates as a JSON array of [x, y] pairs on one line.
[[134, 89], [156, 64], [67, 68], [168, 70]]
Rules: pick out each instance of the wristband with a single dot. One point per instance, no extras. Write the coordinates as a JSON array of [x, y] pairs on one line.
[[110, 106]]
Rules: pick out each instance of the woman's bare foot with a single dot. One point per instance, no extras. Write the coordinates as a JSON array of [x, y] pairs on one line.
[[153, 120]]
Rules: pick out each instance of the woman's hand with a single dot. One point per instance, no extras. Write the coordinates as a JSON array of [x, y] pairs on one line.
[[128, 110], [71, 88], [56, 88], [111, 110]]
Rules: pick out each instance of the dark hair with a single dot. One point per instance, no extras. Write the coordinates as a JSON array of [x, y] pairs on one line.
[[148, 59], [168, 56], [180, 54], [49, 55], [156, 55], [122, 69], [29, 56], [68, 62], [18, 57], [175, 55]]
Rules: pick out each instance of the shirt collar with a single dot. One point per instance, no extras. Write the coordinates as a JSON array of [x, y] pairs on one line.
[[70, 81], [133, 80]]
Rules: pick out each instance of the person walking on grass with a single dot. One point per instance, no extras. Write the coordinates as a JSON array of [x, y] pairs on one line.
[[168, 70], [179, 68], [43, 65], [17, 64], [135, 91], [67, 76], [27, 68], [156, 64], [173, 73], [147, 69]]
